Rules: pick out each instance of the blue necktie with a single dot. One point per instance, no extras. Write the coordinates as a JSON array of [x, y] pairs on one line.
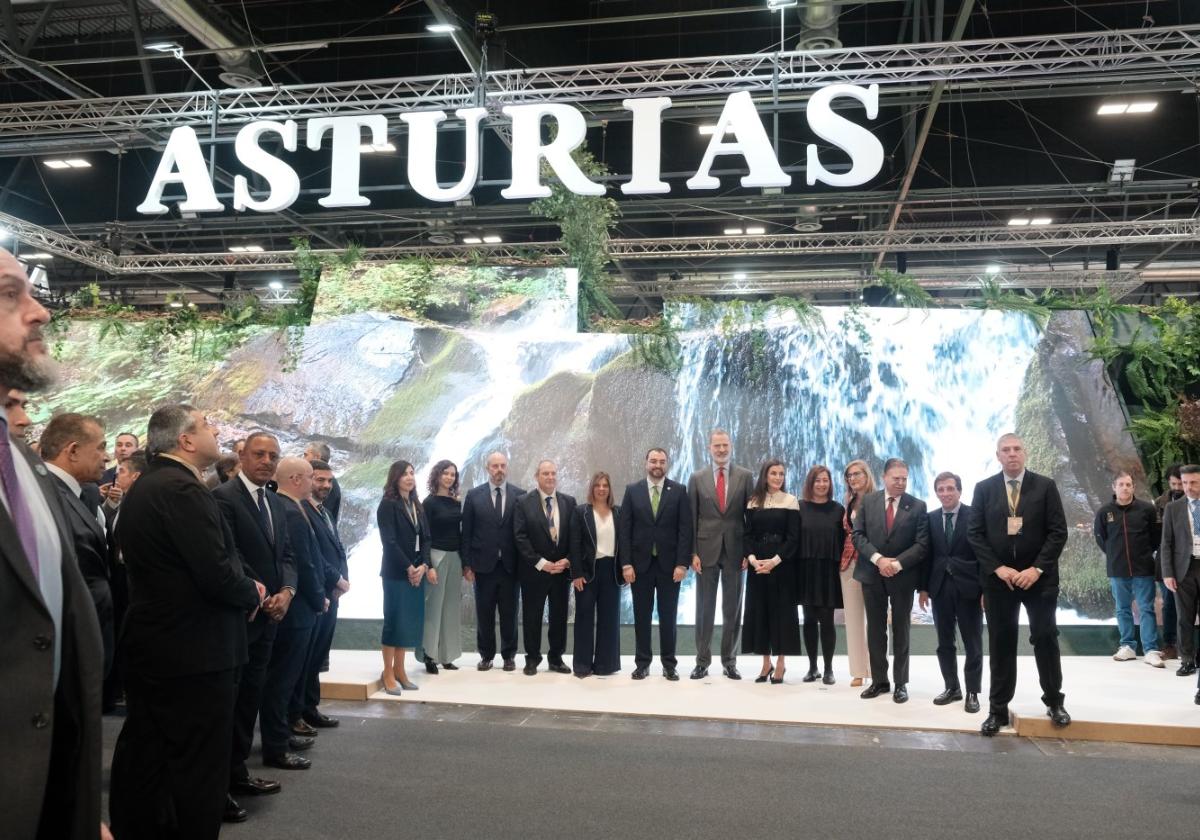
[[1195, 517]]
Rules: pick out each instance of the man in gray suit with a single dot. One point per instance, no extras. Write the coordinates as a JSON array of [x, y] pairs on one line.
[[892, 539], [50, 652], [718, 496], [1179, 554]]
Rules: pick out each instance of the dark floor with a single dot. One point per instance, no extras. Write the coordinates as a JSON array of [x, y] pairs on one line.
[[438, 771]]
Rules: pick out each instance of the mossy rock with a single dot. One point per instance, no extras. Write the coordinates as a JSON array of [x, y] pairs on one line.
[[549, 421]]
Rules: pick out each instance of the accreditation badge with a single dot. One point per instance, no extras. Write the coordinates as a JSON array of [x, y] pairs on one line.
[[1014, 525]]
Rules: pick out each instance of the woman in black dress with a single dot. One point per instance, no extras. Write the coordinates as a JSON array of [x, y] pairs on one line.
[[819, 558], [771, 625]]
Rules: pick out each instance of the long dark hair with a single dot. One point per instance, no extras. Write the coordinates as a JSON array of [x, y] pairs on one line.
[[395, 472], [760, 489], [435, 476]]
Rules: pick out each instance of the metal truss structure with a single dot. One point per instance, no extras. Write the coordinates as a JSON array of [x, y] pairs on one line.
[[1156, 54]]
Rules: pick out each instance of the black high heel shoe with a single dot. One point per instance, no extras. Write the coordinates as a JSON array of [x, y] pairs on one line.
[[779, 681], [762, 678], [813, 675], [430, 666]]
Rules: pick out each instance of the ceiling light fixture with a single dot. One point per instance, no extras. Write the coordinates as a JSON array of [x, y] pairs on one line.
[[740, 276], [777, 5], [70, 163], [1019, 221], [1141, 107], [1122, 170], [992, 269], [472, 240], [732, 231], [492, 239], [37, 256], [441, 28], [276, 285], [1109, 109], [1040, 220], [756, 231], [245, 249], [162, 46]]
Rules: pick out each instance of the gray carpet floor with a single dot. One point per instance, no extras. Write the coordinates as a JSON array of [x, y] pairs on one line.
[[409, 770]]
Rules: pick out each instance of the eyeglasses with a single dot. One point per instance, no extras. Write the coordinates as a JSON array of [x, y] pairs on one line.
[[855, 474]]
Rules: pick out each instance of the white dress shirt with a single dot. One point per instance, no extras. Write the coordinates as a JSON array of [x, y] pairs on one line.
[[254, 488], [76, 488], [606, 535], [553, 520], [492, 488]]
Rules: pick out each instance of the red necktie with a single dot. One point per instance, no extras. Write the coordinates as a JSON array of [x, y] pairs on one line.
[[721, 489], [891, 514]]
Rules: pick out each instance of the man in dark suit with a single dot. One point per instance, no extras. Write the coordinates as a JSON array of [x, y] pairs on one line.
[[655, 532], [128, 472], [542, 530], [1179, 554], [333, 501], [1018, 532], [952, 583], [73, 448], [259, 524], [306, 717], [183, 639], [50, 650], [891, 535], [293, 638], [490, 561]]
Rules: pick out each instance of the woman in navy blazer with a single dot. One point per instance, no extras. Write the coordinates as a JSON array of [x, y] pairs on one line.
[[596, 576], [404, 533]]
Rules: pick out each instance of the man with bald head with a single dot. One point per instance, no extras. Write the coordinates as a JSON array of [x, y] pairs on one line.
[[50, 651], [489, 555], [542, 527], [1018, 532]]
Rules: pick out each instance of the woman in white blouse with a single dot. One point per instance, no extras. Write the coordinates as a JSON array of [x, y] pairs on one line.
[[596, 576]]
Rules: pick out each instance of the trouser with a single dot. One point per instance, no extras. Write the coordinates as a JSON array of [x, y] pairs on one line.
[[1125, 591], [727, 574], [113, 684], [307, 694], [854, 613], [250, 682], [652, 584], [1187, 599], [1003, 608], [1170, 615], [536, 588], [496, 591], [951, 609], [288, 656], [441, 640], [876, 597], [598, 622], [170, 768]]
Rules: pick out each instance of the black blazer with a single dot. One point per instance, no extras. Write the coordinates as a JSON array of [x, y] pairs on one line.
[[69, 738], [532, 533], [189, 596], [1175, 550], [583, 544], [640, 531], [91, 552], [399, 536], [268, 561], [332, 550], [488, 540], [908, 541], [1043, 532], [956, 560], [310, 569], [333, 503]]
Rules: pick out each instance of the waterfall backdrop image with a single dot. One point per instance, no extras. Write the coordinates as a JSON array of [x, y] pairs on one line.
[[424, 362]]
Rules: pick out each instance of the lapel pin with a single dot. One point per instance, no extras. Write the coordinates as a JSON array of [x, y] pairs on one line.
[[39, 469]]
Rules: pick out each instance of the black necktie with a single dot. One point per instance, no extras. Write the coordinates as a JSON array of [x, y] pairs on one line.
[[499, 503], [329, 524], [263, 516], [949, 527]]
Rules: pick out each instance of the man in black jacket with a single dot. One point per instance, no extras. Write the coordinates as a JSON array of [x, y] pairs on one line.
[[542, 529], [654, 528], [257, 519], [489, 554], [1018, 532], [183, 639], [1127, 530]]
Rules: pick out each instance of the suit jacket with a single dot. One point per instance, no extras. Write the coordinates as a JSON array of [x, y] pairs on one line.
[[1175, 552], [1043, 533], [583, 544], [714, 530], [189, 595], [332, 550], [532, 532], [333, 503], [487, 539], [269, 561], [640, 531], [91, 552], [310, 568], [908, 541], [69, 738], [955, 560], [405, 543]]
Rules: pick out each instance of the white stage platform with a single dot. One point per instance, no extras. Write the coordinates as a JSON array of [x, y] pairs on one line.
[[1108, 701]]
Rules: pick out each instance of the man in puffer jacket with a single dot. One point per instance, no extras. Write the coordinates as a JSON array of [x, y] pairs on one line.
[[1127, 531]]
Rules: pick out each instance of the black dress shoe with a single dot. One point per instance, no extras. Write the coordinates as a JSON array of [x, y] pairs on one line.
[[530, 669], [1197, 698], [300, 744], [287, 761], [1186, 669], [233, 813], [430, 666], [950, 695], [812, 676], [731, 672], [449, 666], [827, 678], [972, 705], [320, 721], [559, 668], [253, 786], [510, 665], [900, 695], [875, 689], [583, 675], [303, 729], [699, 672], [640, 673], [486, 665], [1058, 716], [994, 722], [671, 674]]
